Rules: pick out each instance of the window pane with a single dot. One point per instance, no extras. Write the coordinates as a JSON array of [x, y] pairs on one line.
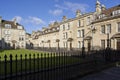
[[103, 29], [119, 27], [109, 28], [79, 45], [103, 44], [7, 25], [82, 33], [68, 26], [88, 20], [79, 23], [66, 35], [63, 27], [79, 33]]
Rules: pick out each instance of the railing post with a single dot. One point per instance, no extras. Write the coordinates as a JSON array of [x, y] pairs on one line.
[[34, 66], [25, 66], [29, 63], [51, 57], [45, 66], [41, 62], [65, 65], [38, 62], [38, 77], [16, 65], [0, 68], [21, 66], [34, 62], [58, 55], [62, 64], [5, 67], [54, 65], [11, 67], [48, 67]]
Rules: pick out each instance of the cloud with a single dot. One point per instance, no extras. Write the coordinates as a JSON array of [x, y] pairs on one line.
[[18, 18], [35, 20], [72, 6], [61, 7], [51, 21], [56, 12]]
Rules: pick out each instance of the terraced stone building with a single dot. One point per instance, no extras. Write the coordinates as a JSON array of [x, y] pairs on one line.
[[12, 35], [91, 31]]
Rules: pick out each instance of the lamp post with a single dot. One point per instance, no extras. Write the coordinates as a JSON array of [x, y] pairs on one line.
[[83, 47], [93, 31], [108, 46], [108, 52]]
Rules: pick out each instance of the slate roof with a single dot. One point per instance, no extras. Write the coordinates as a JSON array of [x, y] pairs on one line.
[[13, 25], [108, 12]]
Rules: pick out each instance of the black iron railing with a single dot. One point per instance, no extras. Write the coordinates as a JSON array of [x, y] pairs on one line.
[[53, 66]]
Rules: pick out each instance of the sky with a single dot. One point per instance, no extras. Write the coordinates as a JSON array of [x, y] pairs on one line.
[[35, 14]]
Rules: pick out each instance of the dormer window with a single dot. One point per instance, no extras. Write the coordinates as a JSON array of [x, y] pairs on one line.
[[116, 12], [7, 25], [57, 28], [46, 31], [53, 29], [101, 16], [20, 27]]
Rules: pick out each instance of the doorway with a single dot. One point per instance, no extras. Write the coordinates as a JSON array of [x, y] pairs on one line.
[[118, 45], [14, 46], [89, 45]]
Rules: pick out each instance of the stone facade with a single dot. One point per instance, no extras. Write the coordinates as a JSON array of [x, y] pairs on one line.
[[94, 31], [12, 35]]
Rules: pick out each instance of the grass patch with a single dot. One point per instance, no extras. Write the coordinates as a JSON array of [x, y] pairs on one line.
[[18, 52]]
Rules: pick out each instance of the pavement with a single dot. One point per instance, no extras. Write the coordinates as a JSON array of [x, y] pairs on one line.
[[109, 74]]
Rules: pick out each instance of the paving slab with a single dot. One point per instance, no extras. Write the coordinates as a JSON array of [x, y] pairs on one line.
[[109, 74]]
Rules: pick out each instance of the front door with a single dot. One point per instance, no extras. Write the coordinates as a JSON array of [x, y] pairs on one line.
[[70, 45], [89, 46], [118, 45], [14, 46]]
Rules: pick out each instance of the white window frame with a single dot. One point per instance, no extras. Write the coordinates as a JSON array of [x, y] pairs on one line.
[[118, 25], [68, 28], [101, 16], [79, 33], [5, 32], [8, 26], [88, 20], [63, 27], [116, 12], [101, 29], [82, 32], [79, 44], [101, 43], [109, 28], [78, 23]]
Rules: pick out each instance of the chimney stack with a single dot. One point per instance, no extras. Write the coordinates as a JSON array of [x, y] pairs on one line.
[[98, 7], [64, 18], [103, 7], [15, 21], [0, 19], [78, 13]]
